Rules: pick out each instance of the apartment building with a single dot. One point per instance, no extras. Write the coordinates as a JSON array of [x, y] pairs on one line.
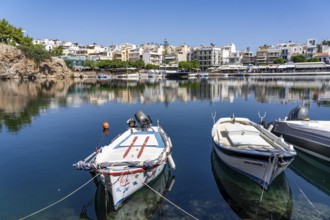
[[150, 57], [267, 54], [135, 54], [289, 49], [247, 57], [229, 54], [311, 48], [207, 56]]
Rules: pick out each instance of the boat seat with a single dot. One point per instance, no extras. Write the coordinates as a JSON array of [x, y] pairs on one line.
[[239, 135], [241, 129]]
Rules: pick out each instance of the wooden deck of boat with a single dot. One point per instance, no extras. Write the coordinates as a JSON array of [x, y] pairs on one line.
[[245, 137]]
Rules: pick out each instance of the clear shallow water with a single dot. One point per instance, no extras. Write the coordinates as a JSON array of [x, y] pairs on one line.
[[48, 126]]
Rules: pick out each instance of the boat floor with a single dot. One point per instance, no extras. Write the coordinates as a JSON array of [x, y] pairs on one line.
[[240, 135]]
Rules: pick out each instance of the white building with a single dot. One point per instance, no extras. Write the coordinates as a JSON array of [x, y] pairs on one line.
[[287, 50], [311, 48], [135, 54], [150, 57]]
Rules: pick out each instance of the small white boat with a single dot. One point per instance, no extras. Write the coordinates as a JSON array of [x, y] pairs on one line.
[[251, 149], [133, 159]]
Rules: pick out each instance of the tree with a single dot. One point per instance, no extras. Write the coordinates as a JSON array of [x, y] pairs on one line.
[[91, 63], [298, 58], [195, 64], [313, 59], [151, 67], [13, 36], [185, 65], [279, 60], [57, 51], [188, 64], [138, 64], [326, 42]]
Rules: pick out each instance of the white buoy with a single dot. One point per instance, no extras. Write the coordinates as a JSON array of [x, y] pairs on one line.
[[171, 161]]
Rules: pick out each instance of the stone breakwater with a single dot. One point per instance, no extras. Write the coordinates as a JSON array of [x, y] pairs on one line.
[[14, 64]]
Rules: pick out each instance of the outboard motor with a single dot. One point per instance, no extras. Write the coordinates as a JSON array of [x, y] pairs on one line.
[[143, 119], [298, 113]]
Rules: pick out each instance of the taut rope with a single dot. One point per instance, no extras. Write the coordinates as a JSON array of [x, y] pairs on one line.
[[65, 197]]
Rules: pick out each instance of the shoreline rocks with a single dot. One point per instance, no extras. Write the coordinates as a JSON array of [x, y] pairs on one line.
[[14, 64]]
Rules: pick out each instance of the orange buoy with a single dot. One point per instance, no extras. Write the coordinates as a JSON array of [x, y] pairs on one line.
[[105, 125]]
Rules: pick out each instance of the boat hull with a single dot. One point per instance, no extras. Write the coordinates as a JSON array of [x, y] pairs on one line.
[[258, 170], [310, 140], [276, 203], [123, 186], [141, 205]]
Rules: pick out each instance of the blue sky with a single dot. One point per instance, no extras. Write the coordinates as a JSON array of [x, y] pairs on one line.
[[247, 23]]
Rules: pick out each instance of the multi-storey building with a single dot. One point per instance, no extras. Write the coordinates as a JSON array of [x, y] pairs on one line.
[[266, 54], [150, 57], [272, 55], [287, 50], [207, 56], [261, 55], [135, 54], [70, 48], [247, 57], [182, 53], [227, 52], [311, 48]]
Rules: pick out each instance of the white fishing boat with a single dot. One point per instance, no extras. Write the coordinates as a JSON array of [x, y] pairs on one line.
[[133, 159], [251, 149]]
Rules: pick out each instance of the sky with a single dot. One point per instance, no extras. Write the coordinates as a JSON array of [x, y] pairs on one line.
[[246, 23]]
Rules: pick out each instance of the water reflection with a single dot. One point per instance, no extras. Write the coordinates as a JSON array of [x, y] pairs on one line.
[[144, 204], [247, 199], [313, 170], [20, 101]]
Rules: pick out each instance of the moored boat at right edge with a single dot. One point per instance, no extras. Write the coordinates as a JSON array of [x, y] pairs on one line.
[[310, 136]]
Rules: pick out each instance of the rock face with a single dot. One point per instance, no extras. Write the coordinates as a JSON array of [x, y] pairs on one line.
[[14, 64]]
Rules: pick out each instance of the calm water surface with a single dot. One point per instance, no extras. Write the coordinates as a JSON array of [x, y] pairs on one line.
[[47, 126]]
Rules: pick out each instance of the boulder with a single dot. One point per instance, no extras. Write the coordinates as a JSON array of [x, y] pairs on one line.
[[14, 64]]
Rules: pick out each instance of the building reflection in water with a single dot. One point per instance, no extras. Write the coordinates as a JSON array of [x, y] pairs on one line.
[[21, 100]]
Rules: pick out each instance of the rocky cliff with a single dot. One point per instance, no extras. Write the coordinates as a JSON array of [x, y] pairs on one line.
[[14, 64]]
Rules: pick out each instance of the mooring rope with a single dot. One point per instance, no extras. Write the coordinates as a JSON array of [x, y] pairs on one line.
[[65, 197], [73, 192], [263, 187], [172, 203], [304, 195]]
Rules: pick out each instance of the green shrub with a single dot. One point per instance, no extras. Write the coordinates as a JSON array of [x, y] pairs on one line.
[[36, 53]]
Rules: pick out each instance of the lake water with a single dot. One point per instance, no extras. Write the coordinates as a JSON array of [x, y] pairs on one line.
[[46, 126]]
